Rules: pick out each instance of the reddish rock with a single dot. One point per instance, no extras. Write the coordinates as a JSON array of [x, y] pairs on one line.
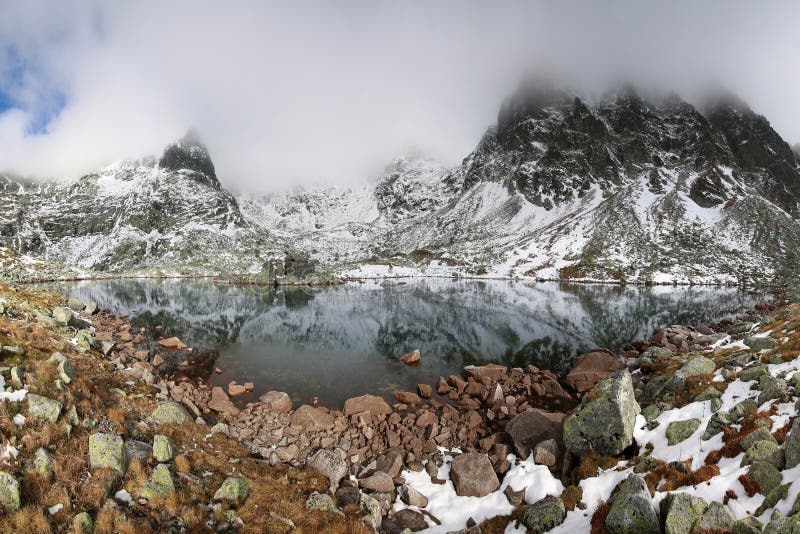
[[412, 358], [158, 361], [534, 426], [312, 419], [234, 389], [221, 403], [172, 343], [589, 369], [472, 475], [366, 403], [379, 481], [491, 371], [406, 397], [277, 401], [425, 391]]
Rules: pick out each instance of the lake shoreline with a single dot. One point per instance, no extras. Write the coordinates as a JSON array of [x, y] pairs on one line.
[[273, 430]]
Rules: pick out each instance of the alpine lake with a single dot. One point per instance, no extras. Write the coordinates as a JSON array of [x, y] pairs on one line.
[[337, 342]]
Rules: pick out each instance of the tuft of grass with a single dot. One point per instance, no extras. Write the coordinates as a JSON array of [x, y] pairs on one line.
[[598, 523], [29, 519], [592, 462], [571, 496]]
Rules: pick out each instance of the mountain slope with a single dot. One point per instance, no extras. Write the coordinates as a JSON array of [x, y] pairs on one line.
[[172, 216], [623, 188]]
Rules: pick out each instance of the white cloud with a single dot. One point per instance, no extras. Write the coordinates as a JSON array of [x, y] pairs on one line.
[[300, 92]]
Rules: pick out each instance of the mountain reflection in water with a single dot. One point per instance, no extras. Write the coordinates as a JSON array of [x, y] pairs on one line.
[[342, 341]]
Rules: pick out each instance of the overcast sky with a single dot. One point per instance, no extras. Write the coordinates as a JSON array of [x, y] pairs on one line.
[[317, 92]]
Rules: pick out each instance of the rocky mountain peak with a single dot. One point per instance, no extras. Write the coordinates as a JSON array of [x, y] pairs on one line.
[[191, 154]]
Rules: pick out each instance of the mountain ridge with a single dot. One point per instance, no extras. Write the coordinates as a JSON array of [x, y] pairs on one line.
[[622, 189]]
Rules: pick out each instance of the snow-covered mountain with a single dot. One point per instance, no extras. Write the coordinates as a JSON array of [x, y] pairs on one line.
[[622, 188]]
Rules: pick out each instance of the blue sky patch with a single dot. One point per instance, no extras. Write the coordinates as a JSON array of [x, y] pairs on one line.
[[15, 72]]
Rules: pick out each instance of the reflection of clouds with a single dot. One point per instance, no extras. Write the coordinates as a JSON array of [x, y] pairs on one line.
[[458, 322]]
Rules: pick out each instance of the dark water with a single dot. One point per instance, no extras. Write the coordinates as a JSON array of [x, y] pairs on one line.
[[338, 342]]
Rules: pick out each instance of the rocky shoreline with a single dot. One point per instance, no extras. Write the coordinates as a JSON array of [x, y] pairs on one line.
[[465, 434]]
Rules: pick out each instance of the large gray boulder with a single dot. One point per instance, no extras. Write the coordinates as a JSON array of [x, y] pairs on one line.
[[792, 445], [108, 451], [681, 511], [604, 421], [632, 511]]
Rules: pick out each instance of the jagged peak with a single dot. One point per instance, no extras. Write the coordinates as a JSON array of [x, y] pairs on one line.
[[189, 153]]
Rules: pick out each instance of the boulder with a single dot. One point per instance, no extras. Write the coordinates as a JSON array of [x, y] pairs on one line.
[[66, 371], [544, 515], [412, 358], [172, 343], [163, 449], [425, 391], [220, 402], [780, 524], [532, 427], [792, 445], [169, 412], [82, 522], [373, 513], [604, 421], [329, 464], [632, 510], [233, 490], [716, 518], [771, 388], [406, 397], [312, 419], [9, 492], [764, 451], [590, 368], [747, 525], [160, 484], [412, 497], [490, 371], [43, 408], [760, 342], [138, 450], [678, 431], [379, 481], [277, 401], [410, 519], [681, 511], [108, 451], [42, 462], [321, 502], [472, 475], [546, 453], [366, 403], [759, 434], [699, 365], [766, 475]]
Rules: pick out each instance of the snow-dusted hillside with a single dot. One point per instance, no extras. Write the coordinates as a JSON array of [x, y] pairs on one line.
[[619, 189]]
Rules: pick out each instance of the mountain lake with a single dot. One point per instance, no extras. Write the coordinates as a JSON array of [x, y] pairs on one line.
[[342, 341]]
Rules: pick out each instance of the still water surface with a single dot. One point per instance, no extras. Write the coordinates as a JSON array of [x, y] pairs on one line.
[[334, 343]]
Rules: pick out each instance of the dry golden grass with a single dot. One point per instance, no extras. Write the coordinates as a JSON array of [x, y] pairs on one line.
[[30, 519], [571, 496], [598, 524], [592, 462]]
